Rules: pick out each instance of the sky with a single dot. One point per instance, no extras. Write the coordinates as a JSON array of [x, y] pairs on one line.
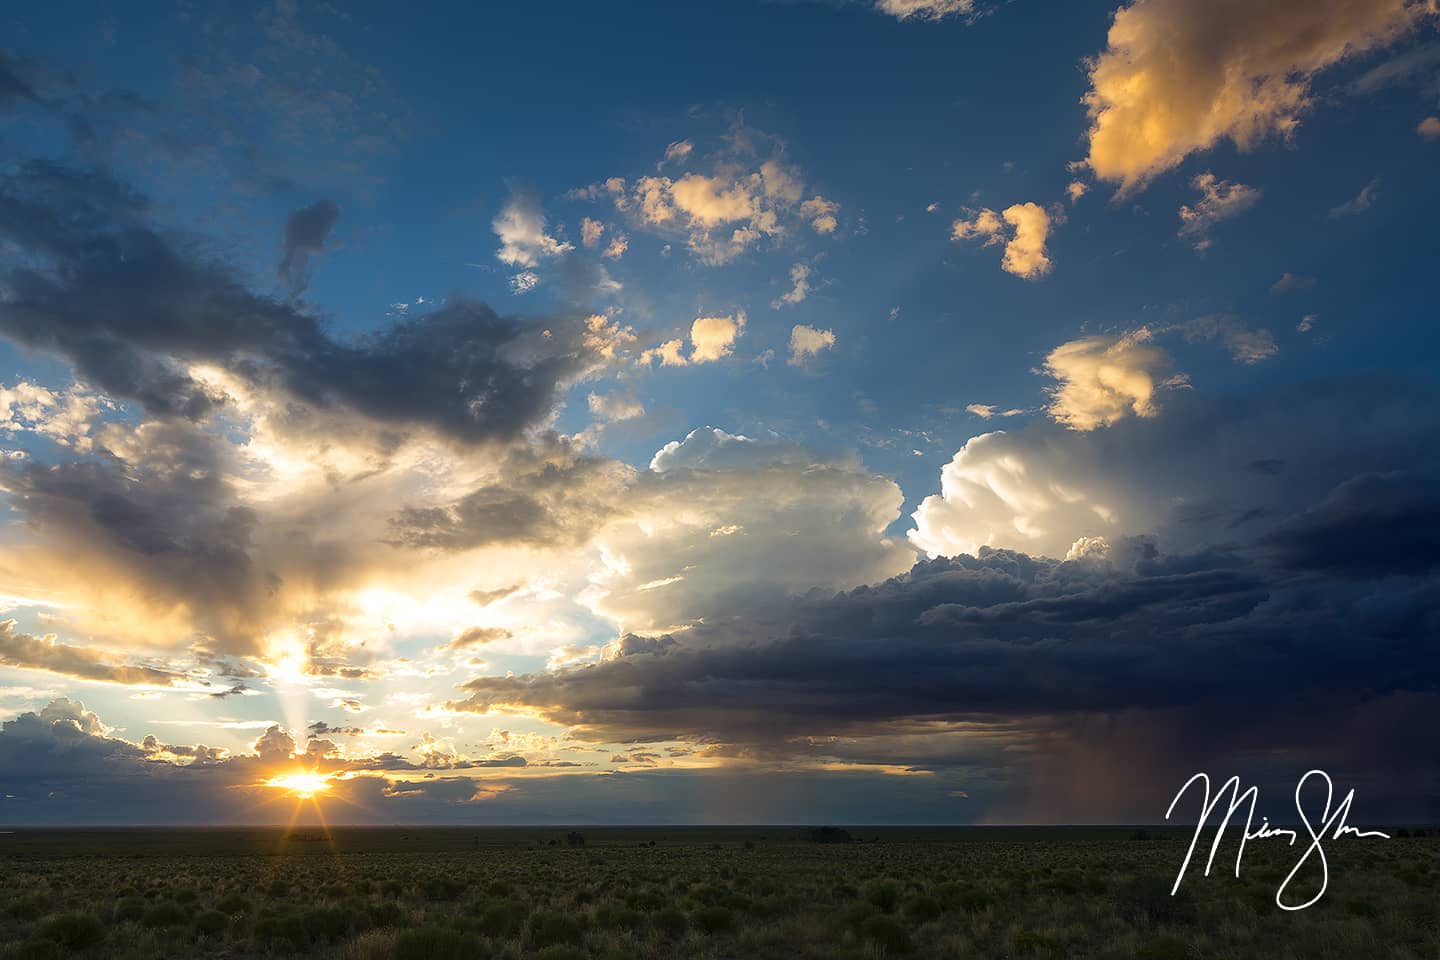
[[883, 411]]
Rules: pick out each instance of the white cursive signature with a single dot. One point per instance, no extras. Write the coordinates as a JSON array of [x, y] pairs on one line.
[[1332, 826]]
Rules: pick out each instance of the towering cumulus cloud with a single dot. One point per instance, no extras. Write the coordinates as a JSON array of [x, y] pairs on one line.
[[1179, 76]]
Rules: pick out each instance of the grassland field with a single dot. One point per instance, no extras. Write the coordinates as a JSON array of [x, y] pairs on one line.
[[703, 893]]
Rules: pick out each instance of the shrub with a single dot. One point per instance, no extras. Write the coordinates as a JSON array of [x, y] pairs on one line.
[[502, 918], [442, 888], [886, 933], [210, 922], [232, 904], [166, 913], [670, 922], [1164, 948], [392, 888], [38, 950], [277, 888], [856, 913], [883, 894], [560, 952], [1148, 900], [74, 931], [548, 927], [714, 920], [129, 909], [921, 909], [185, 895], [386, 913], [438, 943], [613, 917], [32, 906]]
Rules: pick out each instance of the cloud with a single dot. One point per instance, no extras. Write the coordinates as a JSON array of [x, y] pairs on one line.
[[1179, 76], [590, 232], [747, 198], [678, 152], [306, 232], [1245, 345], [925, 9], [521, 227], [135, 315], [1307, 322], [83, 663], [1076, 189], [1429, 128], [807, 342], [1291, 281], [1213, 470], [799, 286], [711, 339], [1022, 227], [614, 407], [986, 411], [1219, 200], [1104, 379], [523, 282], [1359, 203]]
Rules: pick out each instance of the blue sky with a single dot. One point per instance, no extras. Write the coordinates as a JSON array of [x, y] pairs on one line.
[[342, 349]]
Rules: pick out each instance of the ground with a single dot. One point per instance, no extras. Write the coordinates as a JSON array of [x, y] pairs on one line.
[[754, 892]]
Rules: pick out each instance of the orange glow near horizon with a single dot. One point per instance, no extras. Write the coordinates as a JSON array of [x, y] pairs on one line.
[[304, 784]]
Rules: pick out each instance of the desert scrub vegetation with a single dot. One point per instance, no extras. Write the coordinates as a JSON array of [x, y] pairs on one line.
[[702, 894]]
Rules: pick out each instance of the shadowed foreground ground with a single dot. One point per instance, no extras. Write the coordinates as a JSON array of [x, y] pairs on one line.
[[696, 893]]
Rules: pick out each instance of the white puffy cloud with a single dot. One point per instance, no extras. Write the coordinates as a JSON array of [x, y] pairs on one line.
[[523, 282], [1179, 76], [799, 286], [1429, 128], [1219, 200], [1076, 189], [1213, 470], [521, 228], [1104, 379], [718, 513], [925, 9], [1022, 227], [806, 342], [986, 411], [617, 246], [711, 339], [727, 211]]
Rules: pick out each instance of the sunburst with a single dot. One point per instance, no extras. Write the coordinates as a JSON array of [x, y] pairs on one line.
[[304, 784]]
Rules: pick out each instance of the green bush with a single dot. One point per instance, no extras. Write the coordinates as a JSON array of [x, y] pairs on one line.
[[438, 943], [671, 922], [502, 919], [714, 920], [1148, 900], [37, 950], [883, 894], [232, 904], [1164, 948], [74, 931], [921, 909], [548, 927], [613, 917], [32, 906], [166, 913], [886, 934], [210, 922], [560, 952], [129, 909]]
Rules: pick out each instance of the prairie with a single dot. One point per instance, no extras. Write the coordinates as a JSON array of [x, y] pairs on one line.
[[753, 892]]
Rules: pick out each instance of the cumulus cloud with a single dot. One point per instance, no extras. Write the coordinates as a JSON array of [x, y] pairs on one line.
[[590, 232], [1022, 227], [1179, 76], [81, 662], [711, 339], [1429, 128], [799, 286], [1104, 379], [1210, 471], [521, 227], [1219, 200], [742, 201], [1291, 281], [807, 342], [306, 232]]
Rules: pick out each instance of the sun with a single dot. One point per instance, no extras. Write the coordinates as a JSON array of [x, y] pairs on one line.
[[301, 783]]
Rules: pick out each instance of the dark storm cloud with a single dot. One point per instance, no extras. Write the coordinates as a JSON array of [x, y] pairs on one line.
[[13, 86], [1372, 525], [130, 306], [305, 234]]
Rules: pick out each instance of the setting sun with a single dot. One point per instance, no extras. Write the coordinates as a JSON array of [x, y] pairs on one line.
[[301, 783]]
